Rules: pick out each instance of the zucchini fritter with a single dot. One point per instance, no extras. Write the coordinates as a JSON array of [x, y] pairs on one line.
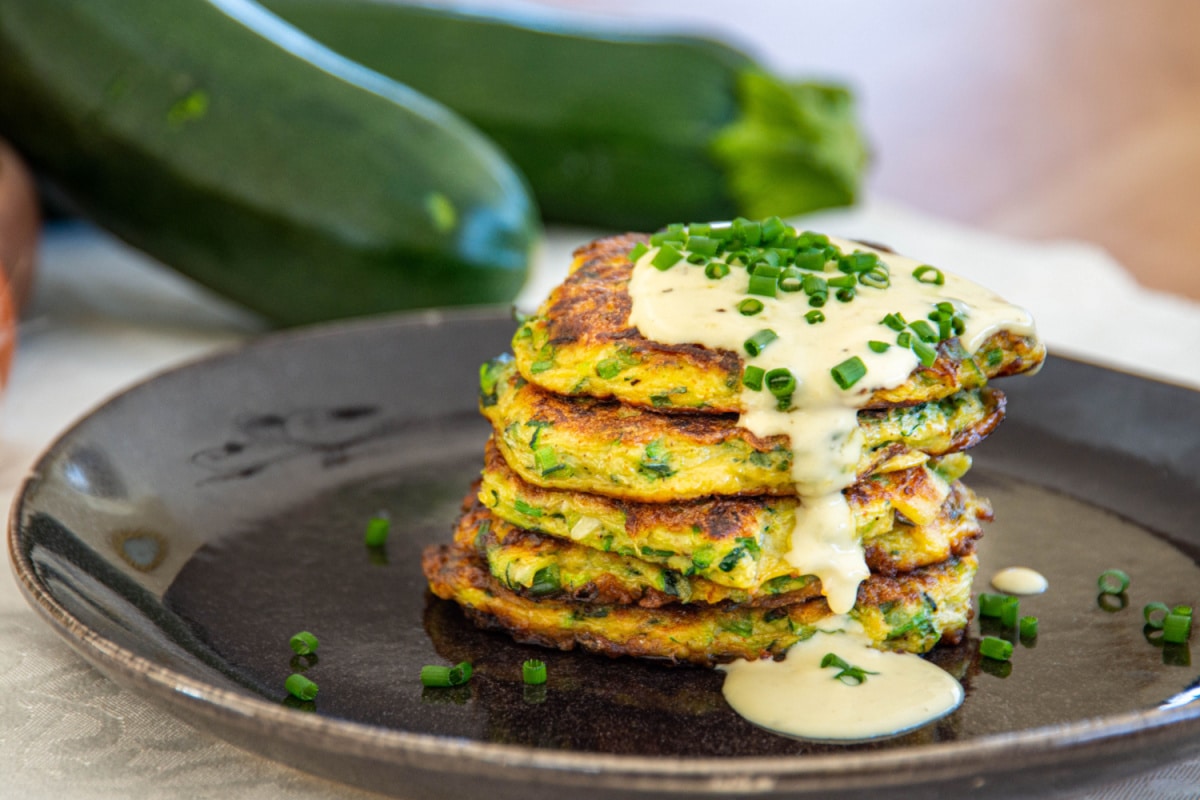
[[911, 612], [536, 565], [580, 343], [741, 542], [623, 451]]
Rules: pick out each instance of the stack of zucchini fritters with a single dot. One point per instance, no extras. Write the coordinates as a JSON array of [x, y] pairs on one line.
[[622, 509]]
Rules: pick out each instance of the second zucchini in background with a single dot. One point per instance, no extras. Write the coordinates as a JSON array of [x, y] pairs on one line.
[[611, 129]]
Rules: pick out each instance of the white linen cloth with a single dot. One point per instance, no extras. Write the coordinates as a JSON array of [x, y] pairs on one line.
[[104, 317]]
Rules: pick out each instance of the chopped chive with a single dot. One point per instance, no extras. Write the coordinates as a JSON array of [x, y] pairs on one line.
[[993, 647], [697, 259], [703, 245], [767, 269], [438, 675], [813, 260], [377, 531], [877, 346], [664, 237], [845, 295], [930, 275], [640, 249], [781, 382], [818, 300], [1155, 614], [1112, 581], [924, 331], [1009, 612], [533, 672], [1184, 610], [1028, 627], [300, 687], [876, 279], [716, 270], [946, 307], [849, 372], [752, 377], [546, 459], [905, 339], [894, 321], [526, 509], [991, 605], [666, 257], [815, 316], [791, 280], [1176, 628], [759, 341], [608, 369], [749, 307], [303, 643], [762, 284], [843, 281], [924, 352], [772, 229], [699, 229], [834, 660], [813, 285]]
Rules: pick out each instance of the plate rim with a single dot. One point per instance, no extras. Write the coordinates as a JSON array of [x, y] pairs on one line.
[[939, 760]]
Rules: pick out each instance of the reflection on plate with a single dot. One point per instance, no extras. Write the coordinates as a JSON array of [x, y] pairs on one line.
[[179, 535]]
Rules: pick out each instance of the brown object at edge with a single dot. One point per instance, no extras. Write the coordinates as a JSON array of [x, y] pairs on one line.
[[19, 225]]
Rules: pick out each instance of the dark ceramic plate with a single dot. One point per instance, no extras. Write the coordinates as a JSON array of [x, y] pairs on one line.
[[178, 535]]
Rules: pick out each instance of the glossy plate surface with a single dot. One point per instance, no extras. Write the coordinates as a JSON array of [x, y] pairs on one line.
[[179, 535]]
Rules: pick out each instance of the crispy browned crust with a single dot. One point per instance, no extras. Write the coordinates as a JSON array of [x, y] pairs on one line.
[[590, 311], [670, 634], [585, 430]]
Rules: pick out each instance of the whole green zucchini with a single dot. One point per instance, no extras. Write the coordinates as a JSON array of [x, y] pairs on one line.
[[222, 141], [613, 129]]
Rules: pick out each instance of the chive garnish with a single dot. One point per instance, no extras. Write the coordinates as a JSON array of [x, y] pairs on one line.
[[300, 687], [716, 270], [1156, 614], [749, 307], [640, 249], [930, 275], [993, 647], [666, 257], [1176, 628], [438, 675], [759, 341], [990, 605], [1009, 611], [1028, 627], [877, 346], [1112, 581], [848, 673], [815, 316], [925, 353], [752, 377], [781, 382], [894, 321], [303, 643], [377, 531], [763, 285], [1184, 610], [849, 372], [533, 672], [876, 279], [703, 245], [791, 280], [924, 331]]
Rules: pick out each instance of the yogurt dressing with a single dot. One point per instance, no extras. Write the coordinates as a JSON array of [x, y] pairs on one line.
[[682, 305], [1020, 580], [798, 697]]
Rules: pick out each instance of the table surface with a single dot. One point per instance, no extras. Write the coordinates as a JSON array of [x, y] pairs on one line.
[[1049, 119]]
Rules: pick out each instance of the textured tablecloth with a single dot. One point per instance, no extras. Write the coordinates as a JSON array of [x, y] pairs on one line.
[[103, 317]]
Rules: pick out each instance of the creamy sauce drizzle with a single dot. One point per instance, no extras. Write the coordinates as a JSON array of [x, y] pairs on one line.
[[1020, 580], [683, 306], [798, 697]]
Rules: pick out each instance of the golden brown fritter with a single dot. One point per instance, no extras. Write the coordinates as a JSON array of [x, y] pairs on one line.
[[535, 565], [580, 343], [742, 542], [609, 448], [911, 613]]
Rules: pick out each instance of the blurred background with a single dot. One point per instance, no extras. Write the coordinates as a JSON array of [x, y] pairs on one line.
[[1038, 118]]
